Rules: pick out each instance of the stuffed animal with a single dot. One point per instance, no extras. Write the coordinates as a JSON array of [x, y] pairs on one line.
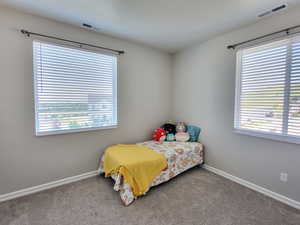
[[170, 137], [182, 137], [194, 132], [159, 134], [180, 127], [169, 128]]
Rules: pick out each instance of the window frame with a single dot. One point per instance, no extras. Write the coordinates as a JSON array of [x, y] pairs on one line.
[[283, 137], [76, 130]]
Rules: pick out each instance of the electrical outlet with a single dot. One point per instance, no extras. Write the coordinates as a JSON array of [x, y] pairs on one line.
[[284, 177]]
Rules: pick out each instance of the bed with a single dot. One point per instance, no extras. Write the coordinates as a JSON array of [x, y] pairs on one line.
[[180, 157]]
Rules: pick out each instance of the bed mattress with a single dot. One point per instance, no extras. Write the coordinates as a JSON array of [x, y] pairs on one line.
[[180, 157]]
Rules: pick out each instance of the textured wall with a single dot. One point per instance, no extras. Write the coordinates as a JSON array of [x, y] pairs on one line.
[[204, 86], [26, 160]]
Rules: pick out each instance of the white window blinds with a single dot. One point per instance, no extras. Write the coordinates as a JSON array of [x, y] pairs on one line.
[[268, 91], [294, 92], [75, 90]]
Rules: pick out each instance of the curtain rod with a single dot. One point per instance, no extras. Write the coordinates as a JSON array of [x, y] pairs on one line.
[[28, 33], [286, 30]]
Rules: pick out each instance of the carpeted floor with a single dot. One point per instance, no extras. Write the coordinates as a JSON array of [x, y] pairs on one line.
[[196, 197]]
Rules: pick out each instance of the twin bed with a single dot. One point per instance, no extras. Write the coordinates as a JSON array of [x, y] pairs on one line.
[[180, 156]]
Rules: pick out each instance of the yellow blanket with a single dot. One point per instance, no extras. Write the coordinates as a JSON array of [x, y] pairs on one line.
[[137, 164]]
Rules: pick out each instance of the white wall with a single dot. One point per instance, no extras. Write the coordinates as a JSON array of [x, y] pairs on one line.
[[204, 85], [26, 160]]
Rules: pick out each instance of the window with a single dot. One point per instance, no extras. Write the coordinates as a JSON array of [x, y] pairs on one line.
[[75, 89], [268, 91]]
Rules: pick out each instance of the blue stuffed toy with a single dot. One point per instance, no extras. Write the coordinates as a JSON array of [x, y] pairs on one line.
[[194, 132]]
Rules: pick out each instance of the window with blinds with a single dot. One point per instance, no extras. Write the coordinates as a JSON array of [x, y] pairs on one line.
[[75, 89], [268, 91]]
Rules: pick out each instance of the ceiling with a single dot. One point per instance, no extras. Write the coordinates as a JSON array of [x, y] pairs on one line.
[[169, 25]]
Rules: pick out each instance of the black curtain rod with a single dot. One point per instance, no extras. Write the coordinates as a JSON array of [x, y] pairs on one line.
[[28, 33], [286, 30]]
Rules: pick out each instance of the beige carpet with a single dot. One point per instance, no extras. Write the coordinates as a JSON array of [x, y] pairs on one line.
[[196, 197]]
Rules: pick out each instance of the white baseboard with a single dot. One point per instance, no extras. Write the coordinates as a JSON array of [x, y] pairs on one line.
[[35, 189], [274, 195], [42, 187]]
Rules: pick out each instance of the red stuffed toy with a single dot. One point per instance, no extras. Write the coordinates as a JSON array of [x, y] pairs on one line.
[[159, 134]]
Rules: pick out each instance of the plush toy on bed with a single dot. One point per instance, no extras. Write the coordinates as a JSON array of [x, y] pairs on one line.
[[159, 134], [170, 137], [182, 136], [194, 132], [169, 128], [180, 127]]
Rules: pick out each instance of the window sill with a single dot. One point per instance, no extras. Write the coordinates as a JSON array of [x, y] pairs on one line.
[[46, 133], [276, 137]]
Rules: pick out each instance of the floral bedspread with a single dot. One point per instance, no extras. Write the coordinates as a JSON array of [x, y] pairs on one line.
[[180, 156]]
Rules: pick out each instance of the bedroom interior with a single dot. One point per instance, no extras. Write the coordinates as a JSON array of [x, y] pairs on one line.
[[150, 112]]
